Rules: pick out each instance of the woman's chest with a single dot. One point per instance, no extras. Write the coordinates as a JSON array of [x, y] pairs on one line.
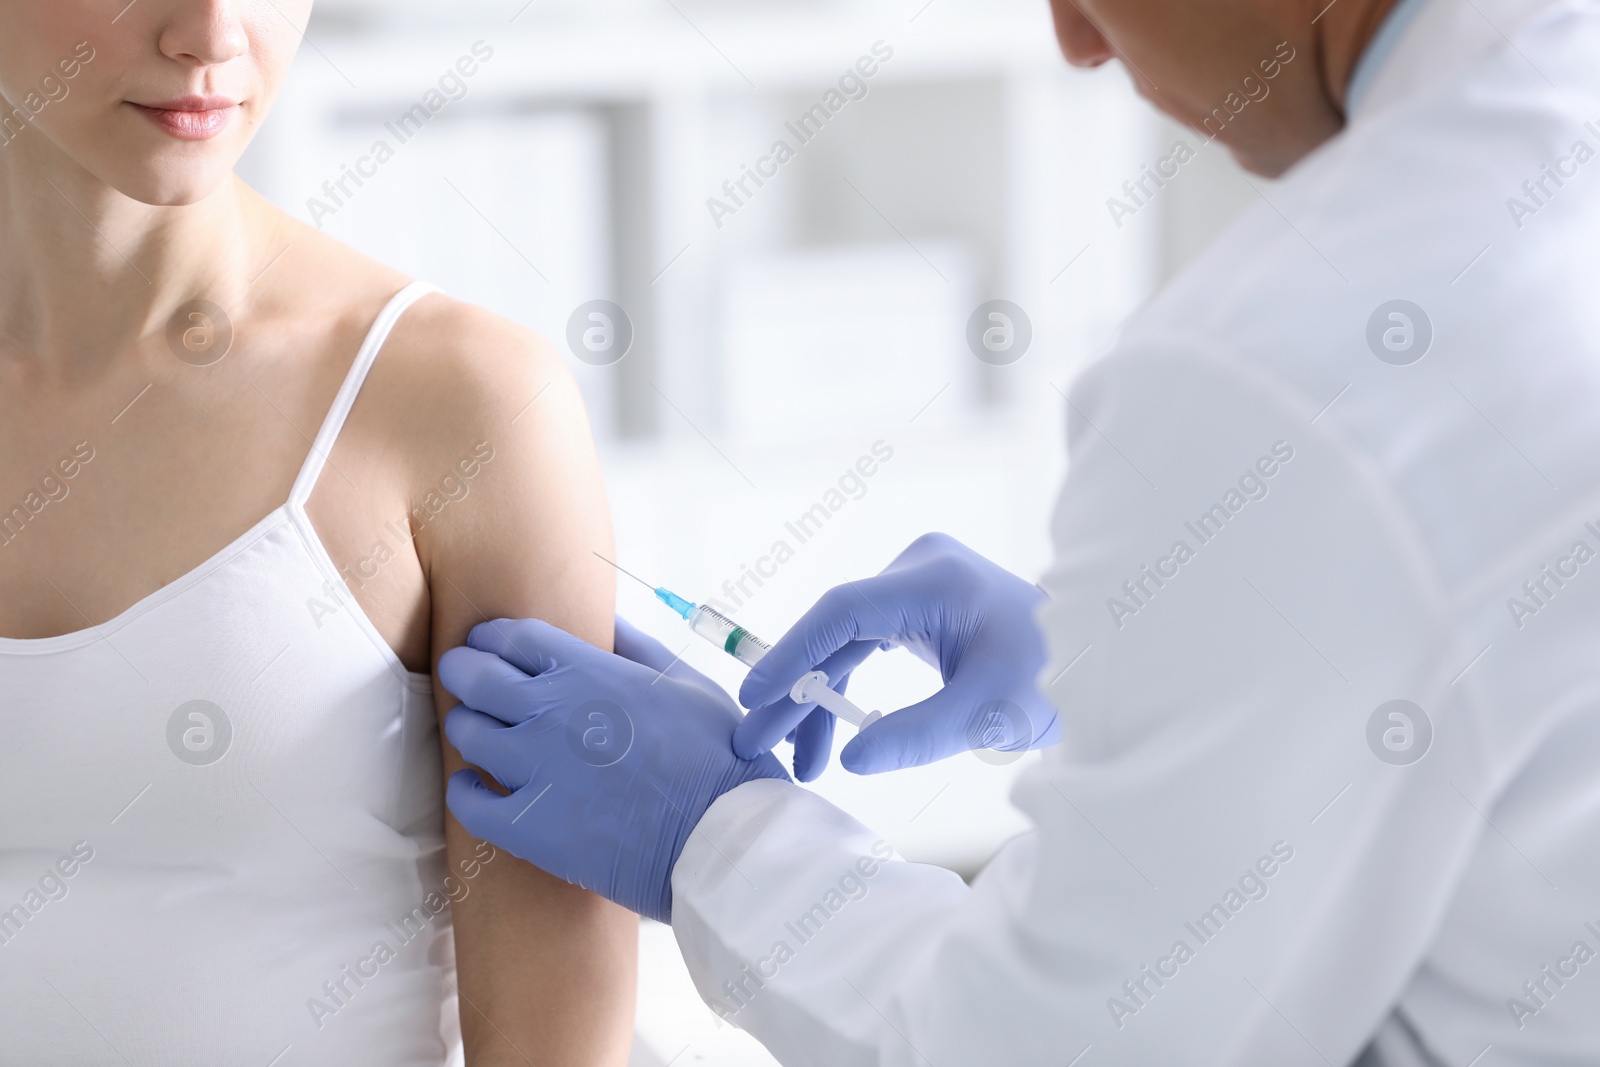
[[95, 518]]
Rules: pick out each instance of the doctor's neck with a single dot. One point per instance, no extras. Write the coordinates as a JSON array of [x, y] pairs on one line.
[[1345, 37], [1267, 78], [1336, 37]]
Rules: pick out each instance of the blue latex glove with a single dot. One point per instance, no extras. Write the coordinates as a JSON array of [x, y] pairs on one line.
[[611, 760], [956, 611]]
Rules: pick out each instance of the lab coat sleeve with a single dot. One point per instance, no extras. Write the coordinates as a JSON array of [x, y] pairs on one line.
[[1239, 854]]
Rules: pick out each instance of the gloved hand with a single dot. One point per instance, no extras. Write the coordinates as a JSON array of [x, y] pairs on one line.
[[611, 759], [812, 737], [956, 611]]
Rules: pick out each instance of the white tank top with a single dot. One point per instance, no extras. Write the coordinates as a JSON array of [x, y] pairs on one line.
[[221, 829]]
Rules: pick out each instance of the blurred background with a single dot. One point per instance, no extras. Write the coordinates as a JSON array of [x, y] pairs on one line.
[[762, 335]]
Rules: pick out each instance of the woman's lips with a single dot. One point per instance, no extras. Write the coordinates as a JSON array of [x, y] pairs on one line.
[[190, 123]]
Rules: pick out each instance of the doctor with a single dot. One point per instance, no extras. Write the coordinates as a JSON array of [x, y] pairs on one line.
[[1315, 661]]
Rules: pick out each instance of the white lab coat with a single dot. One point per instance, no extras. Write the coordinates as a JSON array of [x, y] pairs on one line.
[[1222, 870]]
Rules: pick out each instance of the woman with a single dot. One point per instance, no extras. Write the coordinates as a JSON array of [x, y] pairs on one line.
[[222, 837]]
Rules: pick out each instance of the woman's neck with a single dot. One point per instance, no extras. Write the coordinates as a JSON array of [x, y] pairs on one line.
[[88, 274]]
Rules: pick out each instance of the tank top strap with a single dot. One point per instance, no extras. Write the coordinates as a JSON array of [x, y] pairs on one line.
[[346, 398]]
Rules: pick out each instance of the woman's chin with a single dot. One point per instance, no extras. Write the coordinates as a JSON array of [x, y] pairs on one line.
[[153, 169], [165, 183]]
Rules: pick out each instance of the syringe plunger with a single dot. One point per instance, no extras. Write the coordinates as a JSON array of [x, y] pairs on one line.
[[813, 688]]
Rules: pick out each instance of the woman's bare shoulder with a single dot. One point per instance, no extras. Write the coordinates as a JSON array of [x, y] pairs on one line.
[[476, 368], [502, 467], [449, 370], [475, 424]]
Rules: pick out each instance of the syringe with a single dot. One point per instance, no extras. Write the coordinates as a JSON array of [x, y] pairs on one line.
[[748, 649]]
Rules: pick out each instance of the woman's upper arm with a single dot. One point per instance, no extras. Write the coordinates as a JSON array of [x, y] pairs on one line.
[[509, 513]]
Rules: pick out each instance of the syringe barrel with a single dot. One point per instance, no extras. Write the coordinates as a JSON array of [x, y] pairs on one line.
[[728, 635]]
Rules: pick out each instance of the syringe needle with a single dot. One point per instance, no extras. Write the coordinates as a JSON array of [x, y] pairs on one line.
[[629, 573]]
